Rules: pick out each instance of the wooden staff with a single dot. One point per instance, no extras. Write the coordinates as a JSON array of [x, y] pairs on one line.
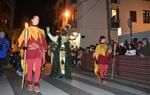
[[25, 52], [113, 61]]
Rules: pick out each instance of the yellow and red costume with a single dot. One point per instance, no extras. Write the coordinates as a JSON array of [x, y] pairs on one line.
[[36, 48], [101, 64]]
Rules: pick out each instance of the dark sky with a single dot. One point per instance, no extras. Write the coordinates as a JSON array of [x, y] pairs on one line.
[[28, 8]]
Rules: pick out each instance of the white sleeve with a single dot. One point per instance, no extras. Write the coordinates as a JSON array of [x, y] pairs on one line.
[[133, 52], [130, 52], [53, 38], [126, 52]]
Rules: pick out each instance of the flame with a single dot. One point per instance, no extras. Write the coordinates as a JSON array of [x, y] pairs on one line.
[[26, 25]]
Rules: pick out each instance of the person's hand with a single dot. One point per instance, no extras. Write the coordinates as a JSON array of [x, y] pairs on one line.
[[25, 48], [142, 55], [47, 30]]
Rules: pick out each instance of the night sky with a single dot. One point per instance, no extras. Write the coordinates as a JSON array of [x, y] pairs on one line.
[[25, 9]]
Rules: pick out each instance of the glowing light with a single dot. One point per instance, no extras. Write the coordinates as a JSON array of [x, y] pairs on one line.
[[119, 31], [67, 14], [114, 12], [26, 25]]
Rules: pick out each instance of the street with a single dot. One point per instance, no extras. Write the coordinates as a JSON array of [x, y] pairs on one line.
[[82, 83]]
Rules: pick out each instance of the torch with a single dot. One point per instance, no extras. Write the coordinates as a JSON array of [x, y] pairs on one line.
[[25, 52]]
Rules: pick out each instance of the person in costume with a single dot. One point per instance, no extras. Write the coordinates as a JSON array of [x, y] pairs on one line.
[[101, 56], [36, 48], [62, 54], [4, 47]]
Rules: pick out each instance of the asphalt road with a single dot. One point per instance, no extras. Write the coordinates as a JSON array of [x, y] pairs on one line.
[[82, 83]]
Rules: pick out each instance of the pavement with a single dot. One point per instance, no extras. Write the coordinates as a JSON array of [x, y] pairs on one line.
[[82, 83]]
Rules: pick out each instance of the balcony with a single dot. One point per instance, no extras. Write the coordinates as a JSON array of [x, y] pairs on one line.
[[115, 23], [115, 1]]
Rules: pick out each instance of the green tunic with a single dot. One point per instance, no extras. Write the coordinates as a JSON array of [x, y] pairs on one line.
[[56, 71]]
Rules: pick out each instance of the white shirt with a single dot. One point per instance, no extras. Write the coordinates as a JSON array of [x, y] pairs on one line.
[[131, 52]]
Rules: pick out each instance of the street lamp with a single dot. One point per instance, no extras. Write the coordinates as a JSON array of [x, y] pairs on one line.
[[67, 15]]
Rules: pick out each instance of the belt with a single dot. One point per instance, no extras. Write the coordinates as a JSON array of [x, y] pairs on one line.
[[33, 48]]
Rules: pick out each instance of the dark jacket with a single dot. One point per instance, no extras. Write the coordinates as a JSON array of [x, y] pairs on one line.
[[145, 50], [4, 46]]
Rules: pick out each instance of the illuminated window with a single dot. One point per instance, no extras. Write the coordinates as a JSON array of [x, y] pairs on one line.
[[114, 12], [115, 18]]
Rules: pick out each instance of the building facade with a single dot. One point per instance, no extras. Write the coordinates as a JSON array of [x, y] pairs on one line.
[[66, 12], [93, 17], [7, 8]]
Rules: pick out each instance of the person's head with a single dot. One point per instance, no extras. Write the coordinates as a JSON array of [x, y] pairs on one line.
[[2, 34], [145, 41], [140, 44], [35, 20], [135, 40], [87, 49], [102, 39]]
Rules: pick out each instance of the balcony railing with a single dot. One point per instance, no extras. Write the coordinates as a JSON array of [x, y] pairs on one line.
[[115, 23], [114, 1]]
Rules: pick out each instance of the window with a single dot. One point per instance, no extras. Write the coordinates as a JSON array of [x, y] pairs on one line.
[[114, 1], [146, 16], [133, 16], [115, 18]]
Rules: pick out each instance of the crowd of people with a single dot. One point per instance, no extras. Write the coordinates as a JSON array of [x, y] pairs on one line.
[[85, 56], [136, 48]]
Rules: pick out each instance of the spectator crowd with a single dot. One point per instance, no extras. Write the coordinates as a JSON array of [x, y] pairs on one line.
[[135, 48]]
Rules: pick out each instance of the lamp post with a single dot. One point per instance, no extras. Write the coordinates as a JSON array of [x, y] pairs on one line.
[[108, 20], [130, 26]]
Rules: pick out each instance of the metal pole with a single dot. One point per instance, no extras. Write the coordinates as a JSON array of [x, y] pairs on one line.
[[108, 20], [113, 61], [131, 35], [130, 26]]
